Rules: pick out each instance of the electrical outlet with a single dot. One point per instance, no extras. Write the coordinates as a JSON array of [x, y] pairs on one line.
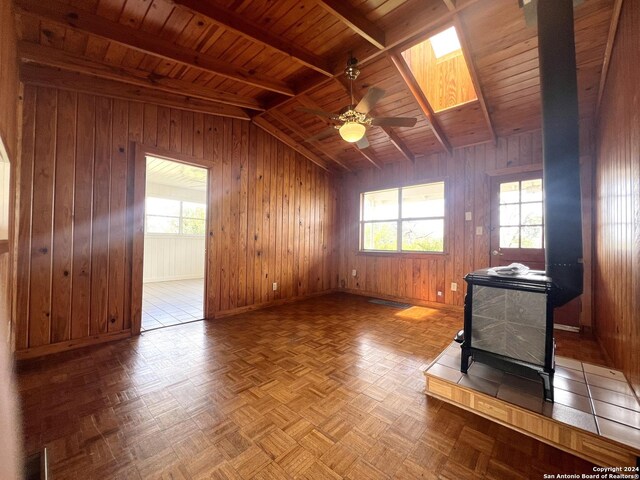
[[275, 286], [467, 216], [478, 230], [454, 287], [354, 273], [439, 293]]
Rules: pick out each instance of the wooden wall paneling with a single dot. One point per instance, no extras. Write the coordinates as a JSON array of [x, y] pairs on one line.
[[617, 194], [233, 179], [137, 235], [42, 218], [242, 180], [249, 178], [117, 216], [83, 207], [186, 129], [258, 235], [63, 217], [210, 237], [100, 248], [24, 191], [278, 173], [225, 274], [266, 202], [270, 217], [163, 128], [150, 120], [293, 226]]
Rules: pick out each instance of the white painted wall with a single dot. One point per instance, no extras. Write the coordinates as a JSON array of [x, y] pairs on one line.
[[173, 257]]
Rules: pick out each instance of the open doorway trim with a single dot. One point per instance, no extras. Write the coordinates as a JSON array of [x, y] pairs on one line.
[[140, 152]]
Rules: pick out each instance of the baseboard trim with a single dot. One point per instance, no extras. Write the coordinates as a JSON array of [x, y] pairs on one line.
[[272, 303], [413, 301], [70, 345]]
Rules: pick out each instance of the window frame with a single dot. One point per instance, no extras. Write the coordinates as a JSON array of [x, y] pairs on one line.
[[399, 220], [180, 218]]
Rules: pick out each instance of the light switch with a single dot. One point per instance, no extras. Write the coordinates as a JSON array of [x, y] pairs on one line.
[[467, 216], [479, 230]]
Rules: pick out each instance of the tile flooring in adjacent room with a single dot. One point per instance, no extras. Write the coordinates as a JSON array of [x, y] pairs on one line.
[[171, 303]]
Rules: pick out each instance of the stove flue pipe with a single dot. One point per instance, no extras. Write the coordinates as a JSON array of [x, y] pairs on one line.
[[561, 149]]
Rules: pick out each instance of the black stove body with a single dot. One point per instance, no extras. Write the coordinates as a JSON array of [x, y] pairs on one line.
[[508, 324]]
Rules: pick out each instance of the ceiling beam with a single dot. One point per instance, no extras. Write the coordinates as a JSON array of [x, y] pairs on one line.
[[256, 33], [294, 127], [404, 34], [406, 74], [369, 155], [308, 102], [50, 77], [393, 137], [287, 140], [52, 57], [85, 22], [613, 28], [397, 142], [355, 20], [475, 79], [451, 5]]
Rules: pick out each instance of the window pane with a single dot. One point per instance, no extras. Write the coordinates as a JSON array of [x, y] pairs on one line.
[[381, 205], [193, 210], [510, 214], [191, 226], [532, 190], [380, 236], [423, 235], [156, 224], [163, 206], [510, 192], [531, 237], [532, 213], [423, 201], [509, 237]]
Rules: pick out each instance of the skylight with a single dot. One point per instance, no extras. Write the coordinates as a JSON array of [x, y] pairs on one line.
[[439, 67], [445, 42]]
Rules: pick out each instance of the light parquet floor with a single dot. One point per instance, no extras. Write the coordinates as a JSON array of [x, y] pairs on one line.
[[326, 388]]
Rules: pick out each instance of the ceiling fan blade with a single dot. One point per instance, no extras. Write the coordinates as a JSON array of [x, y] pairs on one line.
[[320, 113], [362, 143], [326, 133], [394, 121], [373, 96]]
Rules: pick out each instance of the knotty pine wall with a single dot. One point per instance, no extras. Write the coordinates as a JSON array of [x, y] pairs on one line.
[[273, 214], [417, 277], [617, 180]]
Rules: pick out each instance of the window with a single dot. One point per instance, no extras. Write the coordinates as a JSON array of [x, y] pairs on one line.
[[174, 217], [521, 219], [405, 219]]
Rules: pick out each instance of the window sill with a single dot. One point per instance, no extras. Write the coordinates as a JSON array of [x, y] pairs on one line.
[[420, 255]]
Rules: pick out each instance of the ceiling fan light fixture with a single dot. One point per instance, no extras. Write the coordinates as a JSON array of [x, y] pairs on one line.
[[352, 131]]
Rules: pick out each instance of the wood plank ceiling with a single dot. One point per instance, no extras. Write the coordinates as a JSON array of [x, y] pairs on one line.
[[261, 60]]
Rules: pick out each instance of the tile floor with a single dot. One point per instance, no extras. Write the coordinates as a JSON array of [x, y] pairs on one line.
[[171, 303], [591, 397]]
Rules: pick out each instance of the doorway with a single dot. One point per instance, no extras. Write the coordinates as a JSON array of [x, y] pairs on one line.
[[517, 230], [175, 223]]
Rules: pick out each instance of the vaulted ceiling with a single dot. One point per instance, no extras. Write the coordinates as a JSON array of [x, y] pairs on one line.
[[261, 60]]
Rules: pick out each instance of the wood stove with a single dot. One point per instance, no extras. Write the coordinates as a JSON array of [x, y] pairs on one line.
[[509, 320], [508, 323]]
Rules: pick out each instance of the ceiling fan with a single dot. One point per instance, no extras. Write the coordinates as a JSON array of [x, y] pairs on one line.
[[353, 120]]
